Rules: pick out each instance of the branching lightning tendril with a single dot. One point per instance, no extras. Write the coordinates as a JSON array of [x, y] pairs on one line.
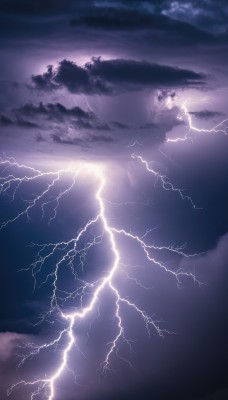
[[222, 127], [66, 253]]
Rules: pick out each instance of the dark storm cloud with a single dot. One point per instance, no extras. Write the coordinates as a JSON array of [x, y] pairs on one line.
[[40, 8], [114, 76], [58, 138], [155, 22], [75, 78], [119, 125], [55, 112], [18, 121], [56, 123], [141, 73], [43, 115], [125, 15], [61, 124], [4, 120], [206, 114], [85, 142], [26, 124], [207, 14], [149, 125], [123, 19], [192, 10], [164, 94], [44, 81]]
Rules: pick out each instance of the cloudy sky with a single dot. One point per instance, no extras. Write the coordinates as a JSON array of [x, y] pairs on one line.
[[98, 83]]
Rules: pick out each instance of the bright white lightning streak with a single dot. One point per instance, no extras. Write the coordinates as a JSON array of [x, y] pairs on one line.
[[222, 127], [166, 184], [9, 185]]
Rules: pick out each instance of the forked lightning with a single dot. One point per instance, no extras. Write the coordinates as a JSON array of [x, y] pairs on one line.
[[10, 184], [73, 254]]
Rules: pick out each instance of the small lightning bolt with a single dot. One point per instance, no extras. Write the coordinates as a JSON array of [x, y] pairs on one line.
[[67, 252], [135, 143], [166, 184], [222, 127]]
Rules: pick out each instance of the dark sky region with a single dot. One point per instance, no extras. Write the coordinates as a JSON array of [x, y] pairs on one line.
[[95, 82]]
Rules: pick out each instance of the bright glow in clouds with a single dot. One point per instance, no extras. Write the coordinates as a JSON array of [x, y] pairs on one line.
[[65, 253], [184, 115]]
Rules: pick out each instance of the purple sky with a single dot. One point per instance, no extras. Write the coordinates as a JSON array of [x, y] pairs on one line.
[[95, 82]]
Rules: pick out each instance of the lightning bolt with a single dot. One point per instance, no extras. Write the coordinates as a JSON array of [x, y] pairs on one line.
[[166, 184], [222, 127], [73, 254]]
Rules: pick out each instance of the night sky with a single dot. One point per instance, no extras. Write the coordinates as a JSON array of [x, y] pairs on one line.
[[98, 83]]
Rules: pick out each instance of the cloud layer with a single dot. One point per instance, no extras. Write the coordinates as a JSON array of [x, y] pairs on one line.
[[114, 76]]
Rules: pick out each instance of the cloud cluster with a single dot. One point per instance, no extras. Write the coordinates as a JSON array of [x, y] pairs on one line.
[[57, 112], [206, 114], [191, 17], [6, 121], [126, 20], [43, 115], [57, 123], [114, 76]]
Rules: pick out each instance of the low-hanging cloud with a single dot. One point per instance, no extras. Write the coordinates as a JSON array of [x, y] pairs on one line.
[[109, 77], [206, 114]]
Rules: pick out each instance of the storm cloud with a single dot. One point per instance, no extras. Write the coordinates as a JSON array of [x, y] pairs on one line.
[[105, 82], [109, 77], [206, 114]]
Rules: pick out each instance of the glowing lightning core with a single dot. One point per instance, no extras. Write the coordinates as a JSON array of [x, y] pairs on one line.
[[9, 185]]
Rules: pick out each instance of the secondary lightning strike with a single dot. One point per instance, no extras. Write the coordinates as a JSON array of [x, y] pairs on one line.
[[166, 184], [69, 251], [135, 143], [222, 127]]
